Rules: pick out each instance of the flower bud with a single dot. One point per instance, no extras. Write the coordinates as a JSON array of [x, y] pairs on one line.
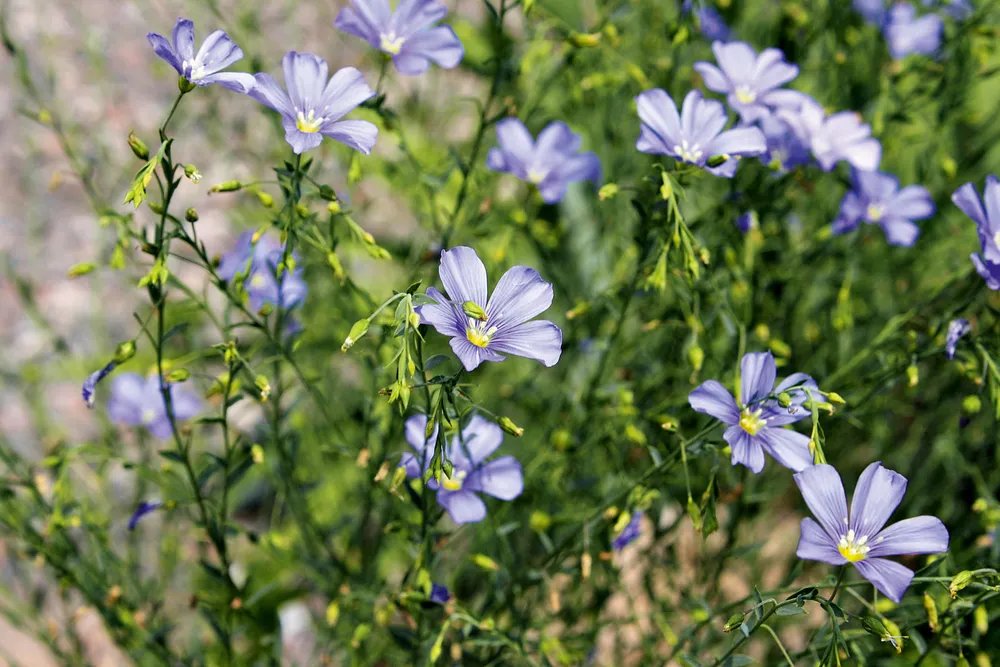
[[971, 405], [485, 562], [155, 207], [191, 215], [958, 582], [334, 261], [540, 521], [398, 477], [257, 454], [873, 626], [584, 40], [45, 117], [669, 423], [263, 386], [561, 439], [302, 210], [139, 148], [81, 269], [359, 329], [981, 619], [265, 310], [510, 427], [784, 399], [124, 352], [266, 200], [334, 207], [178, 375], [734, 622], [192, 173], [226, 186], [834, 397], [716, 160], [414, 319], [333, 613], [607, 191], [696, 356], [912, 375], [474, 310], [932, 613]]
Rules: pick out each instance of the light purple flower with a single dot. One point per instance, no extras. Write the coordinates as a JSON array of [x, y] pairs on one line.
[[710, 22], [520, 295], [312, 107], [959, 10], [754, 424], [405, 34], [785, 150], [696, 134], [551, 163], [138, 402], [261, 281], [858, 537], [630, 533], [472, 474], [90, 384], [956, 329], [141, 511], [217, 53], [908, 34], [747, 79], [987, 226], [877, 200], [873, 11], [839, 136]]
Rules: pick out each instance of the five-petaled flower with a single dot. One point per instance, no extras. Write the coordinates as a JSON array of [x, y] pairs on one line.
[[877, 200], [696, 134], [139, 402], [987, 226], [313, 106], [956, 329], [471, 474], [858, 537], [754, 424], [259, 263], [551, 163], [217, 53], [908, 34], [504, 325], [839, 136], [405, 34], [750, 81]]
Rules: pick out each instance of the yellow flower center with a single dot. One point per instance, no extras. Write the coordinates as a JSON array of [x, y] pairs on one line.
[[391, 43], [875, 212], [752, 422], [853, 548], [310, 123], [258, 281], [148, 415], [996, 239], [536, 176], [454, 483], [478, 334], [745, 95]]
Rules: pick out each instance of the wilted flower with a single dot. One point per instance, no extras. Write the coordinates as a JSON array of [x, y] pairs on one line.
[[439, 593], [630, 533], [908, 34], [142, 510], [520, 295], [696, 134], [987, 226], [857, 537], [90, 384], [405, 34], [956, 329], [839, 136], [748, 80], [217, 53], [500, 478], [877, 200], [551, 163], [312, 107], [754, 424], [710, 22], [138, 402], [261, 281]]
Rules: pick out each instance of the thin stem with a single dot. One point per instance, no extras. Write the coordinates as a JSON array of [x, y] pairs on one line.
[[777, 641]]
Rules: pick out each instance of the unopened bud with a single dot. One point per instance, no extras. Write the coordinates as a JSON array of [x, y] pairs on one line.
[[265, 310], [585, 564], [263, 386], [784, 399], [510, 427], [584, 40], [359, 329], [540, 521], [734, 622], [178, 375], [138, 147], [155, 207], [981, 619], [485, 562], [834, 397], [414, 322], [669, 423], [932, 613], [398, 477], [607, 191], [334, 207], [912, 375], [716, 160], [124, 352], [81, 269], [696, 356], [192, 173], [971, 405], [474, 310], [226, 186], [958, 582], [257, 454], [191, 215], [334, 261]]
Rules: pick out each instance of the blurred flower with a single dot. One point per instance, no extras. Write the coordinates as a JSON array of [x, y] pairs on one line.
[[142, 510], [405, 34], [312, 107], [877, 199], [747, 79], [138, 402], [90, 384], [439, 593], [630, 533], [754, 424], [839, 136], [520, 295], [261, 282], [696, 134], [908, 34], [958, 10], [500, 478], [857, 537], [785, 150], [217, 53], [873, 11], [987, 226], [551, 163], [747, 221], [956, 329], [710, 22]]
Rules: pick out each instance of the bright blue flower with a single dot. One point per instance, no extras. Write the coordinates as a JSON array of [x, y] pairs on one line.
[[839, 136], [630, 533], [439, 593], [696, 134], [908, 34], [405, 34], [876, 199], [750, 81], [987, 227], [956, 329], [142, 510], [259, 262], [551, 163], [217, 53]]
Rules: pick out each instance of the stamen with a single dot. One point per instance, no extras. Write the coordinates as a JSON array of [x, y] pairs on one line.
[[745, 95], [310, 123], [391, 44], [478, 334], [688, 153], [853, 548], [875, 212], [455, 482], [752, 422]]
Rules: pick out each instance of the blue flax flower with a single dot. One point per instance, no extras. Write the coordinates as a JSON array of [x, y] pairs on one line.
[[710, 22], [141, 511], [313, 106], [877, 200], [90, 384], [987, 226], [839, 136], [503, 326], [261, 281], [754, 424], [217, 53], [858, 537], [908, 34], [785, 150], [439, 593], [405, 34], [750, 81], [501, 478], [956, 329], [873, 11], [747, 221], [696, 134], [630, 533], [551, 163], [138, 402]]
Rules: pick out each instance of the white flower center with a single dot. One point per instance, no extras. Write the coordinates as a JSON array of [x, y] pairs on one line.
[[875, 212], [391, 43], [536, 176], [194, 68], [752, 422], [258, 280], [454, 483], [310, 123], [745, 95], [478, 334], [688, 153], [148, 416], [996, 239], [852, 547]]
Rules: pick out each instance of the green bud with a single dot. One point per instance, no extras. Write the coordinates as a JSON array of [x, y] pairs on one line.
[[958, 582], [696, 356], [716, 160], [510, 427], [913, 375], [932, 613], [192, 173], [265, 310], [334, 207], [584, 40], [138, 147], [81, 269], [681, 36], [302, 210], [474, 310], [734, 622], [607, 191], [155, 207], [561, 439], [540, 521], [981, 619], [226, 186], [784, 399], [485, 562], [124, 352], [667, 191], [359, 329], [178, 375], [971, 405], [834, 397], [184, 85], [266, 200], [873, 626], [398, 477], [334, 261], [263, 386], [191, 215]]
